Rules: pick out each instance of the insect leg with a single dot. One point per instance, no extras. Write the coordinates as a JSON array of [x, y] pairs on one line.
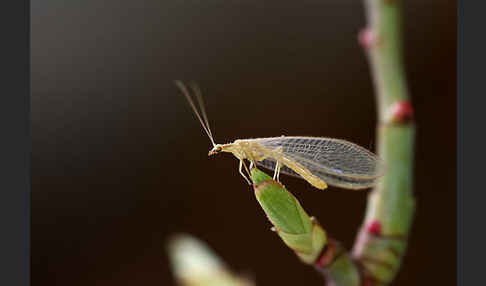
[[253, 164], [247, 170], [277, 170], [241, 171], [251, 157]]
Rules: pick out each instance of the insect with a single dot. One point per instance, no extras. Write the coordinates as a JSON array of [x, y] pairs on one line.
[[319, 161]]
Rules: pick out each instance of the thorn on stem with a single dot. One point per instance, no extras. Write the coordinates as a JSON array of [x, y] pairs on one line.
[[374, 227], [367, 38], [327, 255], [401, 112], [367, 281]]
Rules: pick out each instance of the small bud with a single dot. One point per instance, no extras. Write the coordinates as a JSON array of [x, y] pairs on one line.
[[257, 177], [280, 206], [294, 226]]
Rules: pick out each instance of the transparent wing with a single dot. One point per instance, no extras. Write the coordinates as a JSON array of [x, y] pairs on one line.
[[330, 179], [328, 157]]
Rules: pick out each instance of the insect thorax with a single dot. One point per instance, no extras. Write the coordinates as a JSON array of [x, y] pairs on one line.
[[238, 148], [247, 149]]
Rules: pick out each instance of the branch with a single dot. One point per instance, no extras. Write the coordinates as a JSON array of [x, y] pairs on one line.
[[381, 242], [194, 264]]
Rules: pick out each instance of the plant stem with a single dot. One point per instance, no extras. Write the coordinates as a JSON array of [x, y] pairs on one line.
[[381, 242], [195, 264]]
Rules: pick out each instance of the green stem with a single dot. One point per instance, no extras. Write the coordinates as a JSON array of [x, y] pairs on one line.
[[381, 242]]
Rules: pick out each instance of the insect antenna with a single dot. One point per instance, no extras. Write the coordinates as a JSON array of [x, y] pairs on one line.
[[197, 91]]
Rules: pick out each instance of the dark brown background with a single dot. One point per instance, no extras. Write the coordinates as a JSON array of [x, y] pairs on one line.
[[119, 162]]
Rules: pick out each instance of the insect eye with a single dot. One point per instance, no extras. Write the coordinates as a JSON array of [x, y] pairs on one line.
[[218, 149]]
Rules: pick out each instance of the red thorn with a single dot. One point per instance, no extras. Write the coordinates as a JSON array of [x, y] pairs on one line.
[[326, 256], [367, 282], [401, 112], [367, 38], [374, 227]]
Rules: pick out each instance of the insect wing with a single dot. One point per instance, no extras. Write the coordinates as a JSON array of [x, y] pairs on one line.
[[328, 156], [330, 179]]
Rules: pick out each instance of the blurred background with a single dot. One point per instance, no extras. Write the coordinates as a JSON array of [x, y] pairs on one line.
[[119, 162]]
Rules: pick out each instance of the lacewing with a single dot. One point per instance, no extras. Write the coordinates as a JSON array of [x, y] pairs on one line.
[[320, 161]]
